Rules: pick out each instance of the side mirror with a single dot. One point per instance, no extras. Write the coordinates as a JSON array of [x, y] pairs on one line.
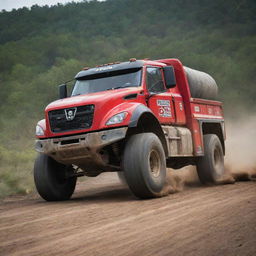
[[63, 91], [169, 77]]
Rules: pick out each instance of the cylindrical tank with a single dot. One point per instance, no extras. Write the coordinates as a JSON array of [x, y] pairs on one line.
[[201, 84]]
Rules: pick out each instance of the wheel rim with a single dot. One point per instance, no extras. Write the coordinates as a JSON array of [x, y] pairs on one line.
[[218, 161], [154, 163]]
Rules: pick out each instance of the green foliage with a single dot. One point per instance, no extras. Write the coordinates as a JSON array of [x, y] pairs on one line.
[[16, 171], [43, 47]]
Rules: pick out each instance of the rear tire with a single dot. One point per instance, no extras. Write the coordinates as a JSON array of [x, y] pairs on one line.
[[51, 179], [144, 165], [210, 167]]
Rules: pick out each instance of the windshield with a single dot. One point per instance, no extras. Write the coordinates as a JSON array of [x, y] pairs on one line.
[[107, 81]]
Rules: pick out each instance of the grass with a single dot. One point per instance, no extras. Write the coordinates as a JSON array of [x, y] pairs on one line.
[[16, 171]]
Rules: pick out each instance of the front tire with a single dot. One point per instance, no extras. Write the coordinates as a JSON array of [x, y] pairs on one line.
[[144, 165], [51, 179], [121, 178], [210, 167]]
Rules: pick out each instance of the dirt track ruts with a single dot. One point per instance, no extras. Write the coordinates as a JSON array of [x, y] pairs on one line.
[[103, 218]]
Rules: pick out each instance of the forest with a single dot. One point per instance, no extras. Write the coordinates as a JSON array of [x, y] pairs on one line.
[[43, 47]]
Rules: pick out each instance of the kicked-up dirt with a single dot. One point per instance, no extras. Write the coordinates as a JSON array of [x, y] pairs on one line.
[[104, 218]]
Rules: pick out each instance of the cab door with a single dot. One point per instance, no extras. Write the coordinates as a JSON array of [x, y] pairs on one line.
[[159, 99]]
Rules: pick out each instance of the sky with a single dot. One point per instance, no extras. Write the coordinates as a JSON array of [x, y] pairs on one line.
[[8, 5]]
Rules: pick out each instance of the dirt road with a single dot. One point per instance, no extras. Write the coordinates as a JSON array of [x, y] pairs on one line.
[[103, 218]]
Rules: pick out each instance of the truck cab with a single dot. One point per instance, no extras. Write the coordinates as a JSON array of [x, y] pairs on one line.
[[136, 118]]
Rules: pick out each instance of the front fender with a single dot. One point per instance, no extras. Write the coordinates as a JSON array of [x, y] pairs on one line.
[[138, 111], [144, 119]]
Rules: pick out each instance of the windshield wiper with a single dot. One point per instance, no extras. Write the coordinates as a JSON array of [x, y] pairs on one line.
[[119, 87]]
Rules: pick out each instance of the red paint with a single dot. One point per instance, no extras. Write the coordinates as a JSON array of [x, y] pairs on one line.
[[182, 110]]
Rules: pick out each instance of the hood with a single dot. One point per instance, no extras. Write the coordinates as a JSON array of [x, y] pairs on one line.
[[93, 98]]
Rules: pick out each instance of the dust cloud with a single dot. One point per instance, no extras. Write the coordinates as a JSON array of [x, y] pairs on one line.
[[241, 147], [240, 159], [177, 180]]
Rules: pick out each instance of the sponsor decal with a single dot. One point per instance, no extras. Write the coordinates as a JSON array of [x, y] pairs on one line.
[[181, 106], [104, 68], [197, 109], [163, 103], [164, 108]]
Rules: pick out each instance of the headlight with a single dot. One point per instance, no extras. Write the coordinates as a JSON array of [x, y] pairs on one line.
[[39, 131], [117, 119]]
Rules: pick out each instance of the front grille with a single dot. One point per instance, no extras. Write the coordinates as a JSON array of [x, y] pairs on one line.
[[81, 118]]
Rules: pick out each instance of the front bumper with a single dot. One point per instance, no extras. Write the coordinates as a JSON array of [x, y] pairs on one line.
[[81, 150]]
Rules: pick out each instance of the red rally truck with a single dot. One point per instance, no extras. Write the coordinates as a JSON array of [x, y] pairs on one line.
[[137, 118]]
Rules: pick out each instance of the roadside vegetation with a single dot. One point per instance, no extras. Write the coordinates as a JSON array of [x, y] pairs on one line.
[[43, 47]]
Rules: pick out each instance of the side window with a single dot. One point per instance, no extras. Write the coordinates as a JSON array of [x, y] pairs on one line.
[[155, 80]]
